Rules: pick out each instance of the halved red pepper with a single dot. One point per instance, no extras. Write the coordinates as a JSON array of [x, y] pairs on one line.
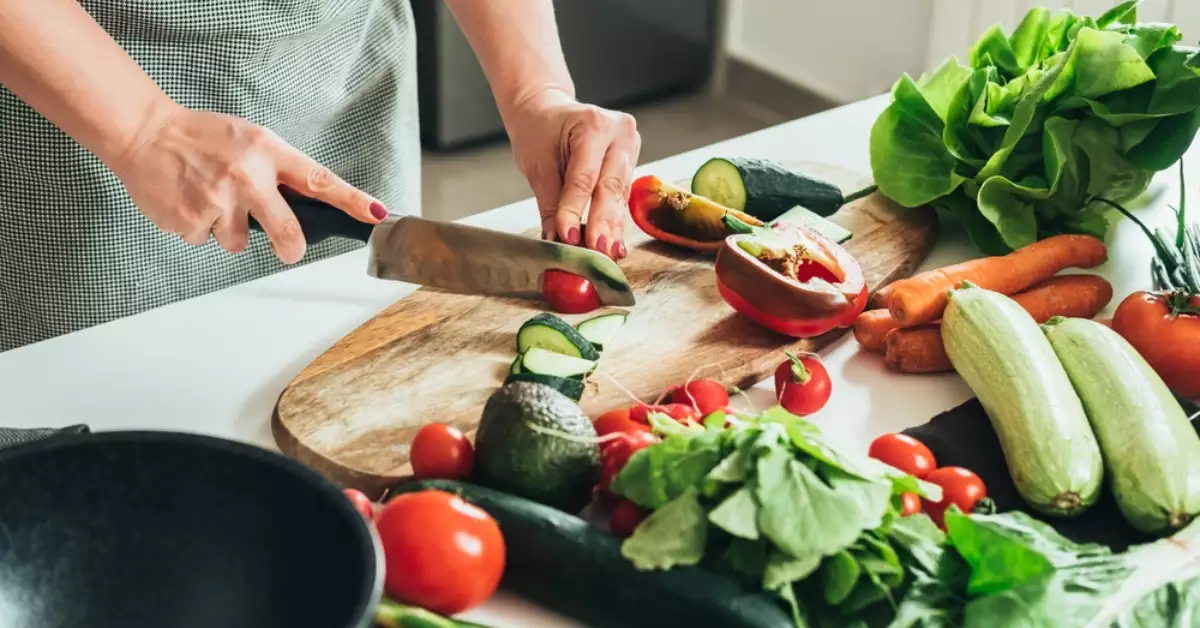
[[671, 214], [791, 279]]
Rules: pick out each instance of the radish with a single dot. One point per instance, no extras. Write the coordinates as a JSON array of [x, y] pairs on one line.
[[802, 385]]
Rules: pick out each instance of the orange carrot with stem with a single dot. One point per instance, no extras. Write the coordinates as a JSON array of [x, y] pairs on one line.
[[919, 349], [922, 297]]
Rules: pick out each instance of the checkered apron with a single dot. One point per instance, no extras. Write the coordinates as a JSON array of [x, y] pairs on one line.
[[335, 78]]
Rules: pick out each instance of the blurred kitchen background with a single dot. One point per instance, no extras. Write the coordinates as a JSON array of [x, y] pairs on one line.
[[694, 72]]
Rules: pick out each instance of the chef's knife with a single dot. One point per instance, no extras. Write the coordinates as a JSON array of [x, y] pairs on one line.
[[459, 258]]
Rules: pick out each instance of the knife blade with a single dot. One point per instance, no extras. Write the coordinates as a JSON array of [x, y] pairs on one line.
[[458, 258]]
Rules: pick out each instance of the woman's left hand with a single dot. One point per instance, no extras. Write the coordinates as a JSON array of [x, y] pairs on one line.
[[574, 154]]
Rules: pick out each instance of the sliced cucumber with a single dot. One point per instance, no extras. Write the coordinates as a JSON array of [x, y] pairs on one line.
[[544, 362], [516, 366], [570, 387], [828, 228], [549, 332], [600, 330]]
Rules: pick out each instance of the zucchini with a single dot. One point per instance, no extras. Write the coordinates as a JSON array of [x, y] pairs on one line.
[[545, 362], [828, 228], [568, 386], [600, 330], [1003, 356], [762, 188], [549, 332], [568, 566], [1150, 449]]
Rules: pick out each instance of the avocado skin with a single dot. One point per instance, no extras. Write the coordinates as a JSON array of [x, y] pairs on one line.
[[546, 468]]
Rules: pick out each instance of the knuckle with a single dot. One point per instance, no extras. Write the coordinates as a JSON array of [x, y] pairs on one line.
[[320, 178], [258, 138], [626, 123], [615, 187], [289, 230], [583, 182]]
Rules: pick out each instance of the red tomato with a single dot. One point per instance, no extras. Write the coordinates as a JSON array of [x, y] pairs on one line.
[[615, 454], [911, 504], [618, 420], [703, 395], [801, 385], [441, 553], [625, 518], [903, 452], [1165, 330], [959, 487], [361, 502], [568, 293], [442, 451]]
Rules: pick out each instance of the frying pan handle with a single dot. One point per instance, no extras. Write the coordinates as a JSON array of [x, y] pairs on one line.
[[320, 221]]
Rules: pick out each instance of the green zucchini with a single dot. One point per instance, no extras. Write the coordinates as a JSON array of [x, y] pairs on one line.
[[1006, 360], [763, 188], [568, 386], [562, 563], [1151, 451], [549, 332], [600, 330], [545, 362]]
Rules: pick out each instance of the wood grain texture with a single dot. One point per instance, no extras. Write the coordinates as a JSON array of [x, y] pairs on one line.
[[436, 357]]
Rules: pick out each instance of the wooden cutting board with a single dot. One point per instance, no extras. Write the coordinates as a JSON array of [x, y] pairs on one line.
[[436, 357]]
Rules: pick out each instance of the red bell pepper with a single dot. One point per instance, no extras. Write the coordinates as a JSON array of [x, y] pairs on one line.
[[791, 279], [675, 216]]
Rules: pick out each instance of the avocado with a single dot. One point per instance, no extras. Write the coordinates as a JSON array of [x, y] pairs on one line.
[[513, 457]]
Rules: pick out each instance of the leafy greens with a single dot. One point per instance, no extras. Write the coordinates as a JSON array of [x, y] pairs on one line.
[[1018, 142]]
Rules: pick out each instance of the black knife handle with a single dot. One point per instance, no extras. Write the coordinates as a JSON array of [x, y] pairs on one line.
[[320, 220]]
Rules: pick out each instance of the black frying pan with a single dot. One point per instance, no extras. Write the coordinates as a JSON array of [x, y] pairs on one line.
[[167, 530]]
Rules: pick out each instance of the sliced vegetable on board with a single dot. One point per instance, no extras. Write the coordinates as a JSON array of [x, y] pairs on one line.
[[1017, 141], [1005, 359], [676, 216], [1150, 449], [602, 329], [549, 332], [791, 279], [767, 189], [568, 293]]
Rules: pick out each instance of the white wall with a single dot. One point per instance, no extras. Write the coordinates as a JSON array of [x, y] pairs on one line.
[[823, 45]]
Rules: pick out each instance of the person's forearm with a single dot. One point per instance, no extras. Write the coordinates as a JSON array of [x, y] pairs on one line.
[[60, 62], [517, 44]]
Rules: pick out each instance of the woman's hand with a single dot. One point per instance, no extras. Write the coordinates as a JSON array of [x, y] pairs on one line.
[[199, 174], [573, 154]]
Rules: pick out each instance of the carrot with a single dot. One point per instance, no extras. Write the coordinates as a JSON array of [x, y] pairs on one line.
[[922, 297], [919, 349], [879, 299], [871, 326]]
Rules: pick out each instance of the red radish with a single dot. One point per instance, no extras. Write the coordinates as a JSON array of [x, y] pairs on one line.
[[801, 384], [615, 454], [703, 395], [568, 293], [361, 502], [678, 411], [625, 518]]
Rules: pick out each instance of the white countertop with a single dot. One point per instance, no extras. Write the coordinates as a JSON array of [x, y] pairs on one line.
[[216, 364]]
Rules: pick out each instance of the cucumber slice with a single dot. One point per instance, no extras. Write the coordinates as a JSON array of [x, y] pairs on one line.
[[600, 330], [549, 332], [763, 188], [828, 228], [516, 366], [544, 362], [572, 388]]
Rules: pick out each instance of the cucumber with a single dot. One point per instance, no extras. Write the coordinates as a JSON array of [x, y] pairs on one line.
[[566, 565], [600, 330], [545, 362], [1003, 356], [762, 188], [1150, 450], [828, 228], [516, 366], [568, 386], [549, 332]]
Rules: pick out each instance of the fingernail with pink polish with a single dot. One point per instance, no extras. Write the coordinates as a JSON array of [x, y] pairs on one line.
[[573, 235], [602, 245], [378, 210], [621, 253]]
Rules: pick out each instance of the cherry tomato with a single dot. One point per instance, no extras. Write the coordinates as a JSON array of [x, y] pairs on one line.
[[802, 385], [361, 502], [441, 553], [959, 487], [615, 454], [442, 451], [903, 452], [618, 420], [625, 518], [703, 395], [910, 504], [568, 293]]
